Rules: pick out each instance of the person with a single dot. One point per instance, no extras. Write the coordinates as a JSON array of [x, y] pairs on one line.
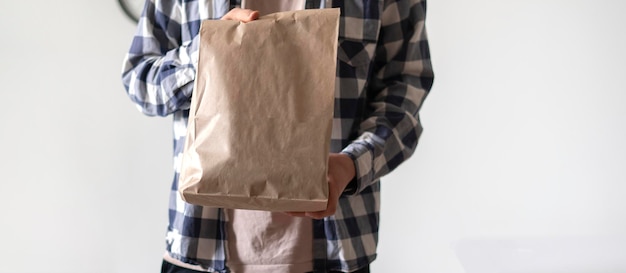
[[383, 75]]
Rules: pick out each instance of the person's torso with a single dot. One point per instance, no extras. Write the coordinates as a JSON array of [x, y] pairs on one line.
[[197, 235]]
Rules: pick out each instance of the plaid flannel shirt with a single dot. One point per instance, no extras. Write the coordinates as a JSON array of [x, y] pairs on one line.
[[383, 75]]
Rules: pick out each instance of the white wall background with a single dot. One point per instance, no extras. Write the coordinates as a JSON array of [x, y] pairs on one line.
[[522, 164]]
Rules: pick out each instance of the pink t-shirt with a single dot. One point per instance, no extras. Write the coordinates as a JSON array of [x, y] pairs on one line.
[[269, 242], [270, 6]]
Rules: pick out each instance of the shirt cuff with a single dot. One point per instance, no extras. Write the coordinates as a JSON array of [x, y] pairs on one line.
[[362, 152]]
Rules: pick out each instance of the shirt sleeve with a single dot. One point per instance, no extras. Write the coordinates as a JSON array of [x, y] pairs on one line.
[[159, 69], [402, 78]]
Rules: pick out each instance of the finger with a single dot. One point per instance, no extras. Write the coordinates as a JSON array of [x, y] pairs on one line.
[[242, 15], [314, 215], [331, 208], [318, 215], [295, 213]]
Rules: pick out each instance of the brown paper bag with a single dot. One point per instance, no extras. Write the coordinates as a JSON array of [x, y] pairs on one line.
[[261, 113]]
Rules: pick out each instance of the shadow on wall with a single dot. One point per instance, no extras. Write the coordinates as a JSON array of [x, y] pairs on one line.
[[543, 255]]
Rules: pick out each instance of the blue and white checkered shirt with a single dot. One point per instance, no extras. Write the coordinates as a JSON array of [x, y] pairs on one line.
[[383, 75]]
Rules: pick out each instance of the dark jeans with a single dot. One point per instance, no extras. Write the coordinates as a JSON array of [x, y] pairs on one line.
[[170, 268]]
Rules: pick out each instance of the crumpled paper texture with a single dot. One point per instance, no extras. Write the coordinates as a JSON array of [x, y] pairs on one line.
[[261, 113]]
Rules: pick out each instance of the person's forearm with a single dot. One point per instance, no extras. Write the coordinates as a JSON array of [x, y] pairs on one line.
[[159, 69], [389, 134], [160, 85], [158, 73]]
